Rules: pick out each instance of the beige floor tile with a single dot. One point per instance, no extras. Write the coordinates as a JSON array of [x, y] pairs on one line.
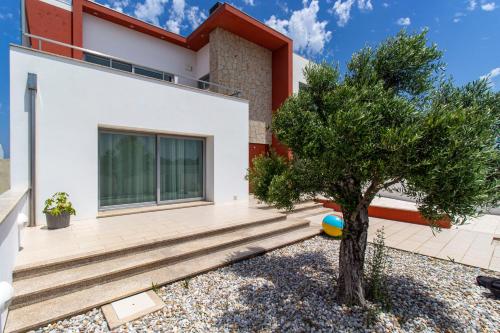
[[477, 261], [408, 245], [494, 264]]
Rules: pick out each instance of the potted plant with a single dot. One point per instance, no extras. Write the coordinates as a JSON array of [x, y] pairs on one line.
[[58, 210]]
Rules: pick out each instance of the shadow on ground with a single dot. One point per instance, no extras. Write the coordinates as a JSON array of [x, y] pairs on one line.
[[297, 292]]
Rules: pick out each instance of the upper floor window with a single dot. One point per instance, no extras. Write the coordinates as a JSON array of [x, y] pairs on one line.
[[127, 67]]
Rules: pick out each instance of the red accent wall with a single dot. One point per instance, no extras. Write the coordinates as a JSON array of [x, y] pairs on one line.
[[256, 149], [77, 33], [282, 86], [51, 22], [395, 214]]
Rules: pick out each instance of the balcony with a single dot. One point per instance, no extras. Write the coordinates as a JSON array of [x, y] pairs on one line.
[[124, 65]]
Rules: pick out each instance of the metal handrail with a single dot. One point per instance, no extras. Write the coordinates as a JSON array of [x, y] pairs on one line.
[[236, 92]]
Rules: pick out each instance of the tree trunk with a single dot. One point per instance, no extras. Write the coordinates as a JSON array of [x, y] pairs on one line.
[[352, 258]]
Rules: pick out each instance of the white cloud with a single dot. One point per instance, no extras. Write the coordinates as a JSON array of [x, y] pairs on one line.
[[308, 34], [472, 4], [283, 6], [365, 4], [458, 17], [277, 24], [491, 75], [403, 21], [119, 5], [180, 14], [6, 16], [342, 9], [385, 4], [489, 6], [174, 22], [150, 10], [195, 16], [249, 2], [486, 6]]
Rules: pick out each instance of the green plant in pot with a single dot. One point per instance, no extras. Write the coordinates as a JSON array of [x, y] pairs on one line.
[[58, 210]]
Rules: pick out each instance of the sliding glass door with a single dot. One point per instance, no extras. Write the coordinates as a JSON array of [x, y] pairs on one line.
[[138, 169], [181, 168], [127, 169]]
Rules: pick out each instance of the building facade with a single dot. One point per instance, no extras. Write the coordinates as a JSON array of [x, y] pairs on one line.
[[127, 114]]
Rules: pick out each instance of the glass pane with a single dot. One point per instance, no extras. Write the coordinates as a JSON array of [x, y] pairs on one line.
[[127, 169], [123, 66], [181, 168], [205, 84], [148, 72], [95, 59]]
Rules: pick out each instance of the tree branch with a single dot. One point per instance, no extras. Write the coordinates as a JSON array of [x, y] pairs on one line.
[[371, 191], [367, 197]]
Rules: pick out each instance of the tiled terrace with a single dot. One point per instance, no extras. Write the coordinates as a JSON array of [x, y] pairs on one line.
[[109, 233], [471, 244]]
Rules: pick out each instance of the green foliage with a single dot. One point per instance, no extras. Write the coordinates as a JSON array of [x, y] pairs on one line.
[[185, 283], [372, 312], [263, 171], [376, 275], [389, 120], [58, 204], [268, 180], [155, 287]]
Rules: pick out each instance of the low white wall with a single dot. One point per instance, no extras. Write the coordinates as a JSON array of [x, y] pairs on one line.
[[12, 204], [141, 49], [299, 63], [75, 98]]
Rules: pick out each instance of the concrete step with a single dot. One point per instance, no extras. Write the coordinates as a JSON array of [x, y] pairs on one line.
[[303, 205], [311, 212], [50, 310], [64, 263], [39, 288]]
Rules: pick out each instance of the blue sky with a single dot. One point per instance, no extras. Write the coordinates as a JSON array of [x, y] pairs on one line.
[[468, 31]]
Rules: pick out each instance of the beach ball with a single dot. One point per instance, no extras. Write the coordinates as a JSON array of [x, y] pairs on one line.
[[333, 225]]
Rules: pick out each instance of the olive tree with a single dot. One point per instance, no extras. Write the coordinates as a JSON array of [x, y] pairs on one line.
[[392, 118]]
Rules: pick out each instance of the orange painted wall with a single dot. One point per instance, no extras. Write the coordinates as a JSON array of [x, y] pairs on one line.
[[395, 214], [51, 22]]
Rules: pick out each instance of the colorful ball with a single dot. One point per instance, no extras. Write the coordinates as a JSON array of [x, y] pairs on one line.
[[333, 225]]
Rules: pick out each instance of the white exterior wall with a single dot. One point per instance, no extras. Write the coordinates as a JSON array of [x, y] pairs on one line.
[[299, 63], [203, 61], [141, 49], [75, 98]]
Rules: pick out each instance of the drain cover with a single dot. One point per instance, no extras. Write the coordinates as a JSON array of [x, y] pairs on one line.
[[131, 308]]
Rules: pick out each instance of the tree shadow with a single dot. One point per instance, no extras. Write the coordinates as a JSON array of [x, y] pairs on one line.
[[297, 292]]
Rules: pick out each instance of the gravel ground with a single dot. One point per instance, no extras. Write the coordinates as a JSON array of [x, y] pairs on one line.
[[293, 289]]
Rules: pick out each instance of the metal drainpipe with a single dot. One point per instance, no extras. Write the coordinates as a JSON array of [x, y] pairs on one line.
[[32, 89]]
